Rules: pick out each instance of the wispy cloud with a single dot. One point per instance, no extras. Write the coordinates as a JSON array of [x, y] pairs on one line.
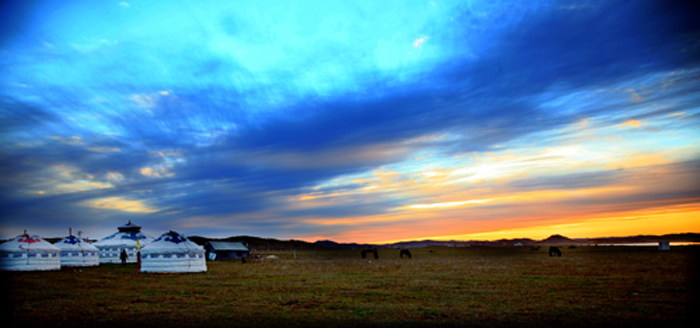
[[630, 123], [120, 204]]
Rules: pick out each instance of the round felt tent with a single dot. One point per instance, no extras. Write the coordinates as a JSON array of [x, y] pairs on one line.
[[29, 253], [173, 252], [77, 252], [129, 238]]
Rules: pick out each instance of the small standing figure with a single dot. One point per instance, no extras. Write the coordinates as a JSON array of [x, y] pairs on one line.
[[123, 257]]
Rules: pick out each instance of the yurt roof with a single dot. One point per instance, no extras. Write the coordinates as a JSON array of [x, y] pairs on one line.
[[25, 242], [71, 243], [129, 227], [171, 242], [124, 239]]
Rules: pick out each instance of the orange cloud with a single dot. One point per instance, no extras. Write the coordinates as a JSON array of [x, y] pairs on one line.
[[637, 160], [156, 172], [120, 204], [449, 204], [630, 123]]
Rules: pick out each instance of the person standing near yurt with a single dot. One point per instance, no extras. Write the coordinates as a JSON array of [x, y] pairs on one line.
[[173, 252], [29, 253], [128, 238], [123, 256], [77, 252]]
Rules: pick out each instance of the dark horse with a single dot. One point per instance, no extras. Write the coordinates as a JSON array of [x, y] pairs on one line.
[[371, 250], [554, 251], [405, 252]]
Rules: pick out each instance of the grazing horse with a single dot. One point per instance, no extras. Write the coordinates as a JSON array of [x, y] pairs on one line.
[[371, 250], [554, 251], [405, 252]]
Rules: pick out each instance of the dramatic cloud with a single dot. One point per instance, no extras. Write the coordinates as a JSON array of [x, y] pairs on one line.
[[356, 121]]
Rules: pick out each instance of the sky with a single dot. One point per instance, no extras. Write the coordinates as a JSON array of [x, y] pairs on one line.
[[354, 121]]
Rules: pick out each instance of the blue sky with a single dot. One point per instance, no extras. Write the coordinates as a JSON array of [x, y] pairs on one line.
[[362, 121]]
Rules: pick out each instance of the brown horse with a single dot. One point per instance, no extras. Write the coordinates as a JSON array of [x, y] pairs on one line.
[[371, 250], [554, 251]]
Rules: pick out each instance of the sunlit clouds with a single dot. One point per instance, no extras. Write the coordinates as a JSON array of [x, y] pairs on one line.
[[119, 204], [365, 121], [449, 204], [631, 124], [157, 172], [575, 183]]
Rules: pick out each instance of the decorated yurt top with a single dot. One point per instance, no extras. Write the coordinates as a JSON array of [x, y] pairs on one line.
[[73, 243], [25, 242], [129, 227], [172, 242], [125, 237]]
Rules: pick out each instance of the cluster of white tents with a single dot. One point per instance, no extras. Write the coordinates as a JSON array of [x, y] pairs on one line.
[[171, 252]]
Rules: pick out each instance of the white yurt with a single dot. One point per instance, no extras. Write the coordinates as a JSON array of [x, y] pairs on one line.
[[77, 252], [173, 252], [129, 238], [29, 253]]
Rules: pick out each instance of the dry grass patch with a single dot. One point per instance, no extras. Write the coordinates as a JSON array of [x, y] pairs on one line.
[[448, 287]]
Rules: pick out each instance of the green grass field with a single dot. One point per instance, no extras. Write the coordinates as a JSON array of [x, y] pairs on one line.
[[587, 287]]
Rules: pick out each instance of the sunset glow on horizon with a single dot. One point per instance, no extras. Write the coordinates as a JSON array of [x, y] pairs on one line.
[[365, 122]]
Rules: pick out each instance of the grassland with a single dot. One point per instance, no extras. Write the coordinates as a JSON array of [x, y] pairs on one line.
[[490, 287]]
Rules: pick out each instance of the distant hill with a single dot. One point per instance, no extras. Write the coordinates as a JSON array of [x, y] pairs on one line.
[[332, 244], [258, 243], [261, 244], [557, 240], [676, 237]]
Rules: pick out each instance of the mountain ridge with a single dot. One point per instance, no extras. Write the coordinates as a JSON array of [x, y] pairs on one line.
[[260, 243]]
